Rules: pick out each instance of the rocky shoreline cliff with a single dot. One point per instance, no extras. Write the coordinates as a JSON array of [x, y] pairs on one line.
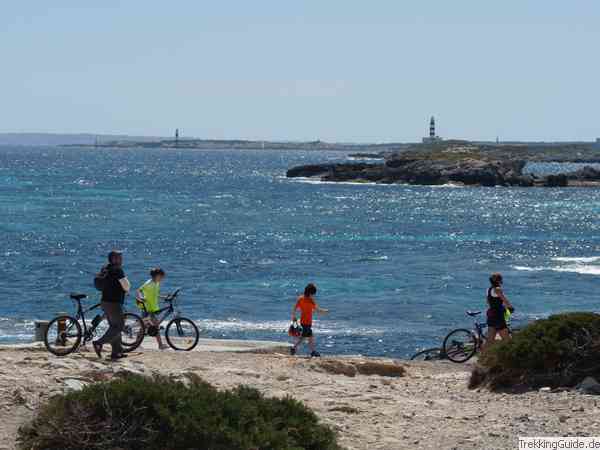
[[452, 164]]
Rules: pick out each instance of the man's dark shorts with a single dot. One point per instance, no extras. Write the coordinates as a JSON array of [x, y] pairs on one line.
[[307, 331]]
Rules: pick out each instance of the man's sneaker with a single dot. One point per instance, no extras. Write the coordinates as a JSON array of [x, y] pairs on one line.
[[315, 355], [292, 351]]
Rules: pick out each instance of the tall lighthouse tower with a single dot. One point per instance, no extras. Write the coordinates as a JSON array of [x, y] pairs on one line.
[[432, 128], [432, 136]]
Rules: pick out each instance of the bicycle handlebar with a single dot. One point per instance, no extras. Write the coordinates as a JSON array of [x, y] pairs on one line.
[[173, 295]]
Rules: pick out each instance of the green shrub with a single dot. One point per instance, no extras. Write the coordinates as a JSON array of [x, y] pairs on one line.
[[162, 414], [557, 351]]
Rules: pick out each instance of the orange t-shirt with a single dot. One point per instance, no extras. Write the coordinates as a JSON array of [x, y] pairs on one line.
[[306, 305]]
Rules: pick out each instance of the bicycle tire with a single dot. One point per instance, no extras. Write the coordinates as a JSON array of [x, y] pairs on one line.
[[429, 354], [174, 328], [135, 339], [455, 350], [77, 334]]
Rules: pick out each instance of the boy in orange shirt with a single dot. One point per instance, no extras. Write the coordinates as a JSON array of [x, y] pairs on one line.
[[306, 304]]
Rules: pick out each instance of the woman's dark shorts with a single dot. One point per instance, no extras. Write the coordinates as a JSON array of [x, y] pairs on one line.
[[495, 319], [307, 331]]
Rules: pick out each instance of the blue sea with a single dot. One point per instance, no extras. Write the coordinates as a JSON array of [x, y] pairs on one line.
[[397, 266]]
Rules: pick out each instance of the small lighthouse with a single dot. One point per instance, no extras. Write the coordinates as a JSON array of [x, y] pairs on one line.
[[432, 128], [432, 136]]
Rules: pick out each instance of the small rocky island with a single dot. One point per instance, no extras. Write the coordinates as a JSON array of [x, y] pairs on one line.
[[463, 163]]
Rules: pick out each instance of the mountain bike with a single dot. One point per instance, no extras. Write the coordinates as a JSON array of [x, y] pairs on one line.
[[461, 344], [429, 354], [65, 333], [181, 333]]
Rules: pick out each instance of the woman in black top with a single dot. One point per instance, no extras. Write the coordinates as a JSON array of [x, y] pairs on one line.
[[497, 303]]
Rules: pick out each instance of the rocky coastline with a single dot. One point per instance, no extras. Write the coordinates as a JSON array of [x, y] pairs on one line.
[[451, 164]]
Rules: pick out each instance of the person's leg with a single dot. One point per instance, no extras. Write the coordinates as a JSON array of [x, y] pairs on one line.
[[504, 334], [119, 321], [114, 317], [299, 340], [491, 337], [156, 323], [311, 344]]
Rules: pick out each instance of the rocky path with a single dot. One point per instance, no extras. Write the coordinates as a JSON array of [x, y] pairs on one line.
[[428, 407]]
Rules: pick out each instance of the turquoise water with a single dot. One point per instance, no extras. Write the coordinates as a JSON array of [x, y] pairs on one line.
[[396, 265]]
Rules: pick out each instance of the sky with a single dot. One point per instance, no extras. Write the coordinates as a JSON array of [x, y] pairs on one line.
[[303, 70]]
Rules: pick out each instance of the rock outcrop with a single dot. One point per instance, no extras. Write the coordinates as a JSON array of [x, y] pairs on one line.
[[423, 172], [463, 167]]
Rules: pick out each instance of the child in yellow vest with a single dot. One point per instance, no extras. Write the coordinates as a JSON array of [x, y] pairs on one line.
[[147, 299]]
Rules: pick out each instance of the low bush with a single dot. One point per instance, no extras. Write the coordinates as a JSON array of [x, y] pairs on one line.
[[558, 351], [162, 414]]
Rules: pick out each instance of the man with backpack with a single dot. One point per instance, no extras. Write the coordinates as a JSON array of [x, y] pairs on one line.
[[114, 285]]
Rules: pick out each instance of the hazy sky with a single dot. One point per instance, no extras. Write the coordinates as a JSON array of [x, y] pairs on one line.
[[332, 70]]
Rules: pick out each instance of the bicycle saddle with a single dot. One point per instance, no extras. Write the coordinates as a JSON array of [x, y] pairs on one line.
[[473, 313], [78, 296]]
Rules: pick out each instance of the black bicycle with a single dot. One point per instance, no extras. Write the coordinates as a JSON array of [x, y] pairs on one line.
[[181, 333], [65, 333], [429, 354], [461, 344]]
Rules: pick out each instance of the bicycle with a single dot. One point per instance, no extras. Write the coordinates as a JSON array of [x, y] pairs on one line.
[[461, 344], [429, 354], [65, 333], [181, 333]]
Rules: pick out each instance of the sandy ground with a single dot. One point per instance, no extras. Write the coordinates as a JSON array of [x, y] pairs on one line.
[[429, 407]]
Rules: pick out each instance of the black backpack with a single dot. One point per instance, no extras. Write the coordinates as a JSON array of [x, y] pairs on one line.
[[101, 278]]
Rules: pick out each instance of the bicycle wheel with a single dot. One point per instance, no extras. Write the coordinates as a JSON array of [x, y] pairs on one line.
[[133, 333], [63, 335], [182, 334], [460, 345], [429, 354]]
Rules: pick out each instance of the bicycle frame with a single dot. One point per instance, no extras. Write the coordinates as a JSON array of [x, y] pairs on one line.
[[171, 308], [481, 337], [80, 316]]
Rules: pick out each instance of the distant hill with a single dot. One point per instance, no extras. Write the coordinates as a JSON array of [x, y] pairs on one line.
[[67, 139]]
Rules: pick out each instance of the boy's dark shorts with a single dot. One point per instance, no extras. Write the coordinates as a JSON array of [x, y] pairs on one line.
[[307, 331], [152, 316]]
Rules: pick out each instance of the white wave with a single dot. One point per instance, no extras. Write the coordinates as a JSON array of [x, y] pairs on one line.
[[357, 158], [447, 185], [310, 180], [531, 269], [325, 328], [588, 259], [317, 180], [374, 258], [573, 268], [582, 269], [16, 337]]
